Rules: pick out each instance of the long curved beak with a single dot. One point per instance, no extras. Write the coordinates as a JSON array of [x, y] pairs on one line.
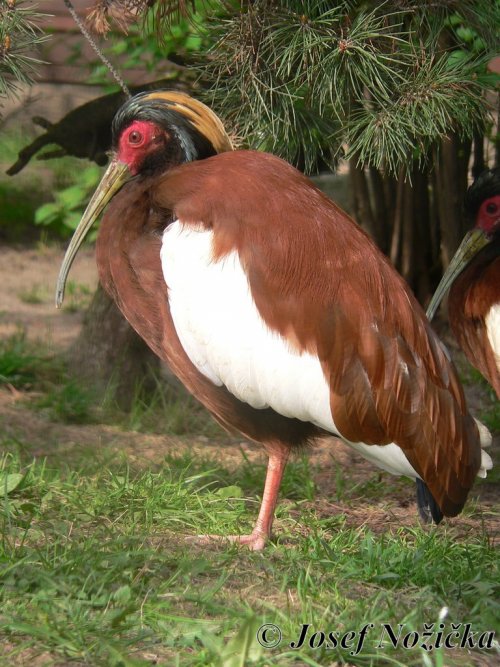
[[115, 176], [471, 244]]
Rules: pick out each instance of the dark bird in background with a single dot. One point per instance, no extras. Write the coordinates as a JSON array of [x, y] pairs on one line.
[[473, 278], [272, 306], [84, 132]]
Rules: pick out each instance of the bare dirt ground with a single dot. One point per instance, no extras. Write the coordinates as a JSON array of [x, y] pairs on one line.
[[28, 274], [28, 271]]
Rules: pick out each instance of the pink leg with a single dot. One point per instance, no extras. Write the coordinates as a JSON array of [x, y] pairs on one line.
[[278, 457]]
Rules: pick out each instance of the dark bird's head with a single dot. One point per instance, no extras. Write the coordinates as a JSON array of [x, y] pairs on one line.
[[157, 130], [482, 203], [152, 132], [482, 208]]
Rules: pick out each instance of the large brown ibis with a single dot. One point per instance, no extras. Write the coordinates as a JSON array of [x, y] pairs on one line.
[[272, 306], [473, 278]]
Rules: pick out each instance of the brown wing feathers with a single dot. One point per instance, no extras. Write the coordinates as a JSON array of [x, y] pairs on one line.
[[317, 279], [128, 257], [472, 295]]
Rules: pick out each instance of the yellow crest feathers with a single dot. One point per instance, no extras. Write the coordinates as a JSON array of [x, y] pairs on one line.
[[202, 117]]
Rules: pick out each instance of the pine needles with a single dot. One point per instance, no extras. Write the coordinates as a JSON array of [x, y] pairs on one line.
[[19, 34], [306, 79], [440, 97]]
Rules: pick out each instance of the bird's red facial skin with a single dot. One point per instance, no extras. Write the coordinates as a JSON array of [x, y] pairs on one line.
[[136, 141], [488, 217]]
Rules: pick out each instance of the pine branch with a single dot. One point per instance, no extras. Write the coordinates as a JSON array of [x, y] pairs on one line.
[[304, 79], [19, 34]]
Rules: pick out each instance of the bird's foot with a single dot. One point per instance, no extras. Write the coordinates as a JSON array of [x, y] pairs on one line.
[[256, 541]]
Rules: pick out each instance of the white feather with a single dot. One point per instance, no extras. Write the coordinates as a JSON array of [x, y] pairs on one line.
[[388, 457], [486, 440], [225, 337], [493, 331]]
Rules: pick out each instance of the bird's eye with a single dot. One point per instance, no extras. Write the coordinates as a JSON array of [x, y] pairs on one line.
[[491, 208], [135, 137]]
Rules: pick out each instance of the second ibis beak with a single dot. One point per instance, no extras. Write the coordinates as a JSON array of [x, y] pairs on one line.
[[471, 244], [115, 176]]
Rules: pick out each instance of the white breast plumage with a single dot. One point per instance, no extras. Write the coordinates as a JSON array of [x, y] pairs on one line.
[[225, 337], [493, 331]]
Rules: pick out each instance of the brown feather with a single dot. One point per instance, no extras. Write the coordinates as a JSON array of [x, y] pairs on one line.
[[128, 257], [472, 295], [319, 281]]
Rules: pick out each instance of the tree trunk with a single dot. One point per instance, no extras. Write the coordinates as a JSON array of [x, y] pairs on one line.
[[382, 209], [450, 186], [396, 225], [409, 232], [478, 165], [360, 199], [421, 250], [109, 355]]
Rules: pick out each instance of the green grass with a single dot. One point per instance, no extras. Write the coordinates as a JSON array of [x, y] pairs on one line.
[[159, 408], [18, 201], [24, 364], [67, 402], [27, 365], [35, 295], [490, 415], [17, 213], [95, 568], [77, 296]]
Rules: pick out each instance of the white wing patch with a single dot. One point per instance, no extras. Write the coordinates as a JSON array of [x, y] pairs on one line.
[[225, 337], [493, 331]]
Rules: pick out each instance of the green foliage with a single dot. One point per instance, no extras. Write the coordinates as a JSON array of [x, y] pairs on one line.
[[22, 197], [17, 212], [23, 363], [19, 34], [69, 403], [441, 97], [26, 365], [306, 79], [141, 48], [490, 413], [491, 416], [10, 477], [64, 213], [17, 203]]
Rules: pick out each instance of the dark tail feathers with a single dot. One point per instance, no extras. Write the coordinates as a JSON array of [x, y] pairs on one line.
[[427, 507]]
